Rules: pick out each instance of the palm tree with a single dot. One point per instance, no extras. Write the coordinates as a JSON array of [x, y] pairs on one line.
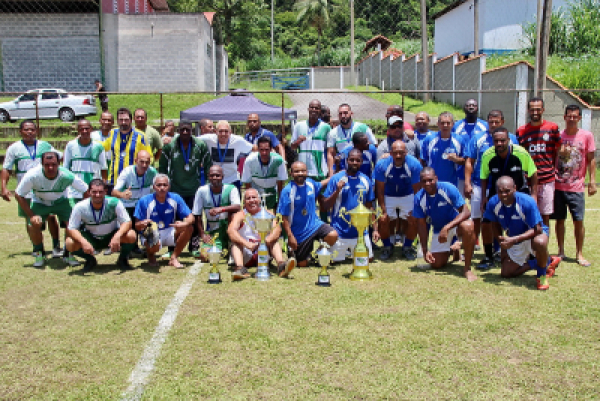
[[314, 13]]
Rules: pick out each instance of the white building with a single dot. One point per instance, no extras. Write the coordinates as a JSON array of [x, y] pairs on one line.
[[501, 24]]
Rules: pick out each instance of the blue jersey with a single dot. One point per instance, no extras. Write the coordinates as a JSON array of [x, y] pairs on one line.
[[262, 132], [398, 180], [163, 214], [348, 198], [422, 135], [517, 218], [299, 204], [475, 149], [434, 151], [369, 159], [439, 209], [468, 131]]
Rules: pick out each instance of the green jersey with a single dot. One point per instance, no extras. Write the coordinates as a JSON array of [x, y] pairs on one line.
[[98, 222], [313, 151], [21, 158], [86, 162], [264, 177], [341, 138], [206, 200], [49, 191], [183, 165], [140, 185]]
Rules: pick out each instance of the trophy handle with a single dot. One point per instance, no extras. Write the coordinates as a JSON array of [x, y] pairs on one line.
[[341, 213], [247, 220], [278, 218], [214, 238], [334, 254], [314, 254], [377, 212]]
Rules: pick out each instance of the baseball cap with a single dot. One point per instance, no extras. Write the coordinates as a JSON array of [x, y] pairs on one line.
[[394, 119]]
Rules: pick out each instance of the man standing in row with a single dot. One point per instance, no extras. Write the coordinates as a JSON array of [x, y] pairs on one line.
[[255, 132], [422, 121], [106, 125], [395, 132], [152, 135], [444, 151]]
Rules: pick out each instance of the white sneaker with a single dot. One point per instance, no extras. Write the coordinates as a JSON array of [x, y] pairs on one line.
[[39, 259], [71, 261], [57, 252], [107, 251]]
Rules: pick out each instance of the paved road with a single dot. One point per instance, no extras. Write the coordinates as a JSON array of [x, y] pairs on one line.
[[364, 107]]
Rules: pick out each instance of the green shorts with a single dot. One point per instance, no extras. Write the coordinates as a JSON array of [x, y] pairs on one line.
[[222, 240], [98, 243], [61, 209]]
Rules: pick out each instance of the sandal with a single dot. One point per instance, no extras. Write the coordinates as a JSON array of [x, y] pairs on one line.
[[584, 263]]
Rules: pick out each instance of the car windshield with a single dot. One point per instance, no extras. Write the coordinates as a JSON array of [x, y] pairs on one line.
[[28, 97]]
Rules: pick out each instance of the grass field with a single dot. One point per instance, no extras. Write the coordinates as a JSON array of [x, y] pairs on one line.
[[407, 334]]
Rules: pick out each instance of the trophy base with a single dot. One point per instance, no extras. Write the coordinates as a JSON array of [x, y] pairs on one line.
[[262, 275], [214, 278], [323, 281], [361, 275]]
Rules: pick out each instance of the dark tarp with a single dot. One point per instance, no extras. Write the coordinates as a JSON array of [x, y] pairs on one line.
[[236, 107]]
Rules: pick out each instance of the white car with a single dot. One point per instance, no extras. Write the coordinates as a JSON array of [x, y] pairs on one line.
[[52, 103]]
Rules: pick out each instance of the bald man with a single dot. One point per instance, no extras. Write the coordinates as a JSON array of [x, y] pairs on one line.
[[245, 240], [519, 228], [255, 132]]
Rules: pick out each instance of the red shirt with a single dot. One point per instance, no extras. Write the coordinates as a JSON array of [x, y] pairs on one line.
[[542, 142]]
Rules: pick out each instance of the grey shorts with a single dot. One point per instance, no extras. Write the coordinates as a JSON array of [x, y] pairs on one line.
[[574, 201], [306, 247]]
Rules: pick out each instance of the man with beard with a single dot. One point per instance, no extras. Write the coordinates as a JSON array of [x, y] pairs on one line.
[[106, 125], [346, 189], [152, 135], [397, 179], [300, 221], [97, 223], [245, 240], [442, 206], [519, 228]]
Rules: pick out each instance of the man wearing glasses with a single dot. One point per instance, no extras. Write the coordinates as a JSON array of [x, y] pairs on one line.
[[182, 160], [396, 132]]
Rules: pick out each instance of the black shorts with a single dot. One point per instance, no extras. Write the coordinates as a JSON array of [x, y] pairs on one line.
[[306, 247], [575, 201]]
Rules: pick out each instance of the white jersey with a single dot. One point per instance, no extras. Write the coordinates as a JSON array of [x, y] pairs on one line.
[[49, 192], [21, 158], [227, 156], [99, 223], [86, 162], [341, 138], [206, 200], [312, 151], [264, 177], [98, 137], [140, 185]]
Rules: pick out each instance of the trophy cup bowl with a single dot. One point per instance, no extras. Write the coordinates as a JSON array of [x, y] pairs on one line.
[[361, 217], [324, 256], [262, 222], [214, 255]]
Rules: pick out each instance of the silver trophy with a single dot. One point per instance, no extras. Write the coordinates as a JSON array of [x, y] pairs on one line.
[[324, 257], [262, 222], [213, 254]]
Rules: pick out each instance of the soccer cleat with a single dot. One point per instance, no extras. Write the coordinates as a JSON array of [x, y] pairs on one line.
[[71, 261], [39, 259], [89, 265], [553, 265], [409, 253], [166, 255], [386, 252], [542, 283], [486, 264], [285, 268], [57, 252]]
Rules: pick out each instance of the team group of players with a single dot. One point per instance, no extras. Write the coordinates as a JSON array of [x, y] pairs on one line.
[[418, 178]]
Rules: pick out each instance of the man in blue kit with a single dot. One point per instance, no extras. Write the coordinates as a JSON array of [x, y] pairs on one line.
[[343, 190], [297, 206], [444, 151], [173, 218], [360, 141], [441, 205], [396, 181], [517, 215]]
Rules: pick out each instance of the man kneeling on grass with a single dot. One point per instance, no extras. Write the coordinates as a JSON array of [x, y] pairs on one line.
[[97, 223], [173, 218], [245, 240], [518, 215], [442, 206]]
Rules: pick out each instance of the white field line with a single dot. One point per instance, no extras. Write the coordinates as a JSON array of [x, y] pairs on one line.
[[141, 374]]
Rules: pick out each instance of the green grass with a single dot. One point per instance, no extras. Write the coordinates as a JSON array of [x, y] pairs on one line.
[[432, 108], [271, 98], [407, 334]]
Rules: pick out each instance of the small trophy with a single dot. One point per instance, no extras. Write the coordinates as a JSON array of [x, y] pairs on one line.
[[324, 256], [262, 222], [361, 217], [213, 255]]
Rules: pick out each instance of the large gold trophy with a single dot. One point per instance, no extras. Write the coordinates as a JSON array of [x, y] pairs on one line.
[[361, 217]]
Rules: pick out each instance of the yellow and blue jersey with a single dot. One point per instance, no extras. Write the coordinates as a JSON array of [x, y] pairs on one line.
[[124, 149]]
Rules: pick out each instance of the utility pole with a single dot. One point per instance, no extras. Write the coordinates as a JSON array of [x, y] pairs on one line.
[[272, 26], [542, 45], [425, 51], [476, 27], [352, 78]]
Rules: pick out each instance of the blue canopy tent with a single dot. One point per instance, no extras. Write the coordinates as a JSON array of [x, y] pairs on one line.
[[235, 107]]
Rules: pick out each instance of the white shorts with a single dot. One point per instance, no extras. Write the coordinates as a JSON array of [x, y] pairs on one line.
[[519, 253], [167, 237], [399, 206], [461, 187], [476, 202], [437, 247], [342, 245]]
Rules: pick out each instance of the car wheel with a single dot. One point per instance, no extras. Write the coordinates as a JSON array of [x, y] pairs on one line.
[[66, 114], [4, 117]]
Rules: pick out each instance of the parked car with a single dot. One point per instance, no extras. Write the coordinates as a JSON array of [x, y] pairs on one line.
[[52, 103]]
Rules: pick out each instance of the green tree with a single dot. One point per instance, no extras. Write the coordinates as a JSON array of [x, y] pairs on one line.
[[314, 13]]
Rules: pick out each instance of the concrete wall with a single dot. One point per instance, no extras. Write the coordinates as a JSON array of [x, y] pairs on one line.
[[396, 67], [453, 31], [49, 50], [468, 77], [505, 78], [409, 73], [386, 76], [420, 79], [443, 71]]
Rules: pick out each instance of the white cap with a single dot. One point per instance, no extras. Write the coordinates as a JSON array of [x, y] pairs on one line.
[[394, 119]]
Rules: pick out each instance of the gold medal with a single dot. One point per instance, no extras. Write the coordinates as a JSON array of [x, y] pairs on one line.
[[161, 225], [304, 212]]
